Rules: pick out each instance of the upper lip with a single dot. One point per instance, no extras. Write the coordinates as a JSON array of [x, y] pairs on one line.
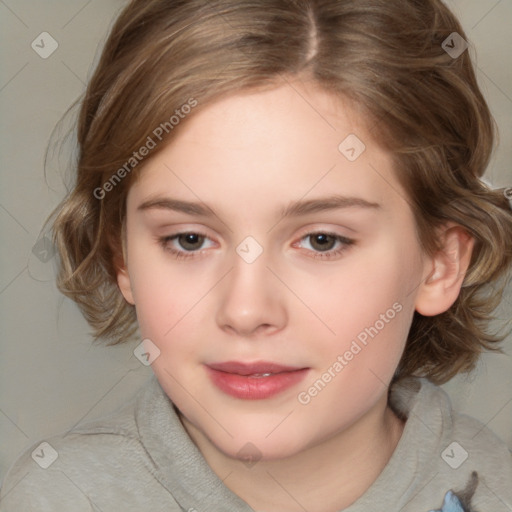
[[258, 367]]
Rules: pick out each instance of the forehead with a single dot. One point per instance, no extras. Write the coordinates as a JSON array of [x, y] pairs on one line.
[[259, 147]]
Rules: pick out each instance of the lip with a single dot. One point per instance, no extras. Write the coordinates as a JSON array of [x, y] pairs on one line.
[[247, 380]]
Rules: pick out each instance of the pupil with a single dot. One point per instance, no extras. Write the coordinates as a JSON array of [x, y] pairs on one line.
[[190, 239], [322, 240]]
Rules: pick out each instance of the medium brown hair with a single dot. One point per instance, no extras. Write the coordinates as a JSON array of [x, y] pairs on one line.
[[386, 57]]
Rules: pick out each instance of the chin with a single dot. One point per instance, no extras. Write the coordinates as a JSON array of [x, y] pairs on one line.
[[251, 452], [249, 445]]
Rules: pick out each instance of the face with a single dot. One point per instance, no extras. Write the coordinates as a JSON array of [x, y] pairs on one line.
[[281, 299]]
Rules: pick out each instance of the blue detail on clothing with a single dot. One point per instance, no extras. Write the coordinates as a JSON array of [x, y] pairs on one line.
[[450, 504]]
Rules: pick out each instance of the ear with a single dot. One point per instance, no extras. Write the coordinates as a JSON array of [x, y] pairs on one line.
[[448, 268], [123, 277], [125, 285]]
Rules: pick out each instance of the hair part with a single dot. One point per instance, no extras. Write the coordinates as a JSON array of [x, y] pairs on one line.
[[385, 57]]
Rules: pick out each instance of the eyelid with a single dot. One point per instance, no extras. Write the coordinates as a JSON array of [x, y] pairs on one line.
[[177, 234], [322, 228], [326, 255], [331, 254]]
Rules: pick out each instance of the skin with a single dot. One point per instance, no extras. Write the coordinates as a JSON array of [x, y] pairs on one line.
[[247, 156]]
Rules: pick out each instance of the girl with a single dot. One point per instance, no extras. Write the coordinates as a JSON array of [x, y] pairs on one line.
[[284, 198]]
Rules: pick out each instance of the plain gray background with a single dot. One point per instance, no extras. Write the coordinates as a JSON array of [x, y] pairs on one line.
[[51, 375]]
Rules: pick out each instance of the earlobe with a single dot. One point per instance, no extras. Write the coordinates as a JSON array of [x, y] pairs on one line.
[[123, 277], [124, 283], [449, 265]]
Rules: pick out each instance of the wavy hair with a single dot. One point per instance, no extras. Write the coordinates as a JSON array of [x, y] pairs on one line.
[[387, 58]]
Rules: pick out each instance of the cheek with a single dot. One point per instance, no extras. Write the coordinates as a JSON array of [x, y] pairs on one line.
[[363, 298], [355, 366], [154, 288], [371, 313], [164, 305]]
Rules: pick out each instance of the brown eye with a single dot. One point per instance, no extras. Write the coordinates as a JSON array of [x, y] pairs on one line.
[[322, 241], [190, 241], [322, 244], [184, 245]]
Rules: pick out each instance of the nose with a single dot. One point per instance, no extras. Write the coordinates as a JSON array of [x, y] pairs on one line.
[[251, 299]]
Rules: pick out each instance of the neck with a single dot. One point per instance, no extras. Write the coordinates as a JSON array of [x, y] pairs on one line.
[[333, 473]]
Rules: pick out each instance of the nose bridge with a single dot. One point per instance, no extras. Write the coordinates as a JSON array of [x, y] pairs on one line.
[[250, 266], [250, 296]]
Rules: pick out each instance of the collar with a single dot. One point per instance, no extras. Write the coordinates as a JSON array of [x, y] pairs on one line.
[[182, 470]]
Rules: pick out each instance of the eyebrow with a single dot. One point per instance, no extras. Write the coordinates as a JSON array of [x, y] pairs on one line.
[[293, 209]]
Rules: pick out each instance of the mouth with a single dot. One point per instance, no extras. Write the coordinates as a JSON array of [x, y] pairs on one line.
[[254, 381]]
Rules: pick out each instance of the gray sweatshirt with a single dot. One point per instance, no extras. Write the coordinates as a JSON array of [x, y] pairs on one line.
[[141, 459]]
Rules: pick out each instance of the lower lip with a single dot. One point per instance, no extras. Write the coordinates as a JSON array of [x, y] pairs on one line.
[[255, 388]]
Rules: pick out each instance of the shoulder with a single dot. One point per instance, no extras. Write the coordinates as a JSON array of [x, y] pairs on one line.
[[472, 452], [97, 466], [57, 473], [431, 406], [469, 438], [36, 481], [460, 454], [476, 447]]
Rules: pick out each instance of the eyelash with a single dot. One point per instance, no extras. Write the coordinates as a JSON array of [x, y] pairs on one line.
[[181, 255]]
